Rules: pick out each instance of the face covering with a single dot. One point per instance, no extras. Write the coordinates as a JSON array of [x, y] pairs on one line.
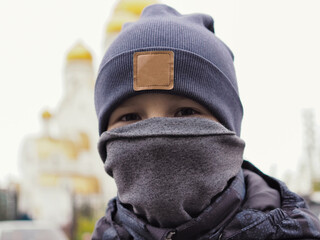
[[167, 170]]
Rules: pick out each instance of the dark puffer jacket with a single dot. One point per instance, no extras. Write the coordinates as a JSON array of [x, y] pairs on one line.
[[254, 206]]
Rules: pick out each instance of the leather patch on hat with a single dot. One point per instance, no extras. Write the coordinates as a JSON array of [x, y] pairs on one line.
[[153, 70]]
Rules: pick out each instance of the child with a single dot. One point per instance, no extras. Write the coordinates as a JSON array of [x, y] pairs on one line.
[[169, 121]]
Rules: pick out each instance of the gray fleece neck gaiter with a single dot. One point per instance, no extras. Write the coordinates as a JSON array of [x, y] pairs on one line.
[[167, 170]]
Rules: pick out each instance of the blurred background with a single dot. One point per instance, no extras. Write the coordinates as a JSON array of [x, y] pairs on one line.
[[50, 52]]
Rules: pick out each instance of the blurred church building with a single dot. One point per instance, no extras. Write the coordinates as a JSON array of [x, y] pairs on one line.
[[60, 166]]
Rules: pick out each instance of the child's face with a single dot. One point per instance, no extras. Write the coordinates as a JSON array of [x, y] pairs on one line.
[[152, 105]]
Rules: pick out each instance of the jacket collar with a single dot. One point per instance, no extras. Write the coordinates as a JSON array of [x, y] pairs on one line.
[[289, 199]]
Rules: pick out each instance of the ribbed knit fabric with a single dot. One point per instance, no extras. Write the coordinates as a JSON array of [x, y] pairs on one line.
[[203, 64], [169, 169]]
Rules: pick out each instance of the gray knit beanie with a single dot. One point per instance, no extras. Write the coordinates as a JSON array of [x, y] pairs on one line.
[[166, 52]]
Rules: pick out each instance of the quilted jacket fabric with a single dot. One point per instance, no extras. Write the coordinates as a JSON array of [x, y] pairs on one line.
[[254, 206]]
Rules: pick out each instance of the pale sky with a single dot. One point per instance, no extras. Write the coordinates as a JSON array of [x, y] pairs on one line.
[[276, 44]]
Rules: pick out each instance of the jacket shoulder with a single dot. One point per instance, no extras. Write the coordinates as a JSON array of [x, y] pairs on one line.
[[290, 220], [103, 228]]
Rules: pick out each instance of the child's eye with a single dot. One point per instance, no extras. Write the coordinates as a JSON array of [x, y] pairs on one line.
[[183, 112], [130, 117]]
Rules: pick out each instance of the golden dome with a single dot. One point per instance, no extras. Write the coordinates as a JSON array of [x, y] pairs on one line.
[[126, 11], [134, 6], [79, 52], [46, 115], [118, 19]]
